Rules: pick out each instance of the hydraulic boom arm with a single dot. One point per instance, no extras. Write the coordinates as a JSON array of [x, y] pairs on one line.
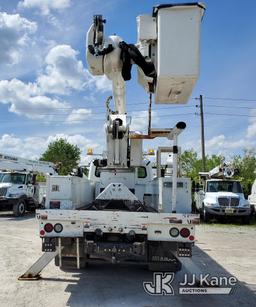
[[13, 163]]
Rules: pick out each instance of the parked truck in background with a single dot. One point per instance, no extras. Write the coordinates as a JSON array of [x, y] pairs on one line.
[[221, 195], [19, 190], [121, 211]]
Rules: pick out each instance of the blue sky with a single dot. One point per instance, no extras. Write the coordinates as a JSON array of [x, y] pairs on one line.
[[46, 91]]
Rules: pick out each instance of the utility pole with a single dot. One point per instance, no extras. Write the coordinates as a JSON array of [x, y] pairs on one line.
[[149, 113], [202, 131]]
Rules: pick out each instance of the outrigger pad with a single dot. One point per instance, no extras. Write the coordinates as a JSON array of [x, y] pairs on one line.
[[28, 277]]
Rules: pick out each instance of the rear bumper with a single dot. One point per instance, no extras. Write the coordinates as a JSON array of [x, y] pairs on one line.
[[221, 211]]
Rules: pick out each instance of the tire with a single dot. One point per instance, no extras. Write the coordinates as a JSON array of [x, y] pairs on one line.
[[31, 209], [19, 208], [70, 263], [205, 215], [246, 219]]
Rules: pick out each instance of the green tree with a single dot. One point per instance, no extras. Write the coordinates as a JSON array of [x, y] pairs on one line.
[[65, 155], [246, 165], [40, 178], [191, 165]]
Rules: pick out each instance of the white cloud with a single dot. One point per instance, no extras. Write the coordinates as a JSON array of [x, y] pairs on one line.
[[64, 72], [15, 34], [102, 83], [33, 147], [215, 142], [221, 145], [27, 99], [78, 116], [140, 120], [45, 6], [251, 130]]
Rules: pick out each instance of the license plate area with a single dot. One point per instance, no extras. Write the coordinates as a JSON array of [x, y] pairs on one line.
[[49, 245], [229, 210]]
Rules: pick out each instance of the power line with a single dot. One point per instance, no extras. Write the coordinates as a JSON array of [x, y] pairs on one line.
[[142, 110], [100, 119], [233, 107], [134, 117], [229, 114], [69, 113], [228, 99], [170, 107]]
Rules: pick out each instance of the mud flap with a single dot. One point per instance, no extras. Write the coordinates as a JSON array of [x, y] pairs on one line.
[[161, 257]]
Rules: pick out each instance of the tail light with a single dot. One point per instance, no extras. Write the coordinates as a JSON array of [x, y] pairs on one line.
[[174, 232], [185, 232], [58, 228], [48, 227]]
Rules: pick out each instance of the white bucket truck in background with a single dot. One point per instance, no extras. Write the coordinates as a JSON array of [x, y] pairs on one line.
[[221, 195], [19, 190]]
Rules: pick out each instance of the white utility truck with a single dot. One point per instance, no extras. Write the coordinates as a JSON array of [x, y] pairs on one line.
[[221, 195], [121, 211], [19, 190]]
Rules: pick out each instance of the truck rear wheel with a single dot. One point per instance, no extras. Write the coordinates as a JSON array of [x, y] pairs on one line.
[[19, 208], [71, 263], [246, 219], [205, 215]]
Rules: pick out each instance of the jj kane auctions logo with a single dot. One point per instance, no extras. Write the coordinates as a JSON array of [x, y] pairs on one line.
[[202, 284]]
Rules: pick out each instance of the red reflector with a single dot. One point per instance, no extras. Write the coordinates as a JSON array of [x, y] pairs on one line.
[[48, 227], [42, 233], [184, 232], [191, 238]]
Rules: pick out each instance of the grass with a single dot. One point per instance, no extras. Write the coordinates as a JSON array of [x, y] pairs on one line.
[[231, 223]]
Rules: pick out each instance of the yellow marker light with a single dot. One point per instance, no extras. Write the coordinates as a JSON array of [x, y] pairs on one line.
[[89, 152], [151, 152]]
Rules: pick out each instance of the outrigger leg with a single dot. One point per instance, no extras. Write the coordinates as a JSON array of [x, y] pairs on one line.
[[33, 273]]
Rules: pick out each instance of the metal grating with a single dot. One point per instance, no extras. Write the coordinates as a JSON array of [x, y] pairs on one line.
[[228, 201], [223, 201], [3, 191]]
